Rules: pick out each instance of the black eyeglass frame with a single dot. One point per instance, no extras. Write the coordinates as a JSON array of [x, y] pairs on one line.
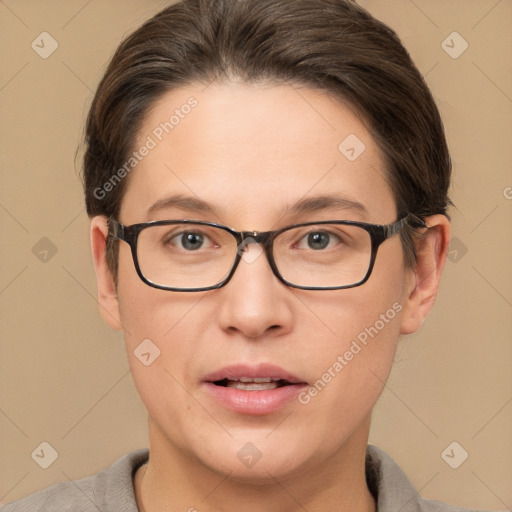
[[379, 233]]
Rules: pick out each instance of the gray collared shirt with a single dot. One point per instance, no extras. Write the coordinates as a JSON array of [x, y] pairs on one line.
[[111, 490]]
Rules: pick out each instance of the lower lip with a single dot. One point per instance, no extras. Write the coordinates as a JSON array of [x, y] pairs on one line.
[[254, 402]]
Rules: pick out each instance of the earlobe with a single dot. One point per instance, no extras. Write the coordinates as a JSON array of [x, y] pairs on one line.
[[431, 251], [107, 293]]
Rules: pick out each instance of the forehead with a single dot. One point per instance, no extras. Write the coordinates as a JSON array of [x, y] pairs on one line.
[[251, 151]]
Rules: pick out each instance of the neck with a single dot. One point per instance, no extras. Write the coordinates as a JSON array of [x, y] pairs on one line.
[[176, 481]]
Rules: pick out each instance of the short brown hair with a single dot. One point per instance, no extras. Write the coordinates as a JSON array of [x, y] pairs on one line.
[[332, 45]]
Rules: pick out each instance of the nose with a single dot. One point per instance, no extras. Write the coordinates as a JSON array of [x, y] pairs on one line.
[[254, 302]]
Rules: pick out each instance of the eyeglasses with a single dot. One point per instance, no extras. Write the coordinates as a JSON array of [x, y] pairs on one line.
[[193, 256]]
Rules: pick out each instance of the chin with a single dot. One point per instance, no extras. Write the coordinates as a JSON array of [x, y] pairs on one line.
[[258, 459]]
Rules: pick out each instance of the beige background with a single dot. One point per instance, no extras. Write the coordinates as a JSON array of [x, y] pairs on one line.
[[65, 378]]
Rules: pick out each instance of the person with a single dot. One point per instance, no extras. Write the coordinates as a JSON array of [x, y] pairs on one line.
[[267, 182]]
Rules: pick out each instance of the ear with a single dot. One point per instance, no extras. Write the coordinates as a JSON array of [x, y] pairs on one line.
[[424, 277], [107, 293]]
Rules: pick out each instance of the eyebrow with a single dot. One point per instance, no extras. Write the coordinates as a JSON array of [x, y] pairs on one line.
[[331, 202], [186, 203], [305, 205]]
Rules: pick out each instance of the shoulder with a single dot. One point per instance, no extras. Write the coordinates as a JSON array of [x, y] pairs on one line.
[[108, 490], [62, 497], [394, 491]]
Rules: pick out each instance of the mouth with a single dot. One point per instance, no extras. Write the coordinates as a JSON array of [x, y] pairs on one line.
[[253, 389], [253, 384]]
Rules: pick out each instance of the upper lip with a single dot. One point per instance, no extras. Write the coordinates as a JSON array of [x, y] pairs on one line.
[[258, 371]]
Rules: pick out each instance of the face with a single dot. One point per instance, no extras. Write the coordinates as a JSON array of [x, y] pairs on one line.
[[251, 153]]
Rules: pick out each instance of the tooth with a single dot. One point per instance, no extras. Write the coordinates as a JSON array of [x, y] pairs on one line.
[[251, 386], [255, 379]]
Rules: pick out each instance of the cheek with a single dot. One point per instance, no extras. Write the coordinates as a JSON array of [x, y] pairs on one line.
[[158, 328], [350, 372], [362, 327], [147, 312], [159, 337], [164, 337], [358, 347]]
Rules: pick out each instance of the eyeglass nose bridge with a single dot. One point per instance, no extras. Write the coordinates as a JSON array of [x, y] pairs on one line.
[[263, 238]]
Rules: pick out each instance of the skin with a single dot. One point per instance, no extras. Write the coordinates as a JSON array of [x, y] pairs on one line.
[[238, 151]]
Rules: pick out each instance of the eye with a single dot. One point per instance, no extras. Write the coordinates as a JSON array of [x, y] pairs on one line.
[[319, 240], [188, 240]]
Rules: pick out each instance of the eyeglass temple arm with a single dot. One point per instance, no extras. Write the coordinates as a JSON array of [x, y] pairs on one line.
[[116, 229], [410, 219]]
